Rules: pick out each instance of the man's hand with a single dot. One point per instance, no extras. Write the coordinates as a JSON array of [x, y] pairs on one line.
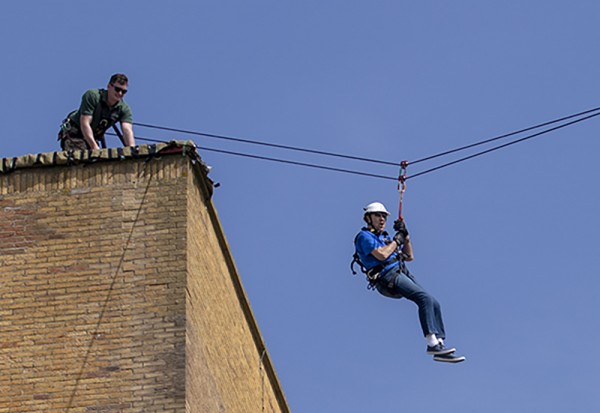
[[400, 238], [400, 227]]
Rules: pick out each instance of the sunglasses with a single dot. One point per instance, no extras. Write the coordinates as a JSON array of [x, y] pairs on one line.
[[380, 215], [119, 89]]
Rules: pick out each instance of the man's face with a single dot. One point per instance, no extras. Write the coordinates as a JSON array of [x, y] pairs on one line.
[[378, 220], [116, 91]]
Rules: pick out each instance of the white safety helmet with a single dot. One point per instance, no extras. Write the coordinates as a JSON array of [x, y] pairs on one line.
[[375, 207]]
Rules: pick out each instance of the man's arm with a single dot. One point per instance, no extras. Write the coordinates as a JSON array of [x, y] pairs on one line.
[[403, 238], [407, 250], [128, 133], [85, 124], [382, 253]]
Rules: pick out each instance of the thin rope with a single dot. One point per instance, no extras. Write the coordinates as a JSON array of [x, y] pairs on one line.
[[358, 158], [272, 145], [372, 175], [503, 136], [502, 146], [108, 295], [279, 160], [308, 165]]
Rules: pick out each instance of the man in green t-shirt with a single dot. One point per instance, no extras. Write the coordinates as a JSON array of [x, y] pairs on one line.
[[100, 109]]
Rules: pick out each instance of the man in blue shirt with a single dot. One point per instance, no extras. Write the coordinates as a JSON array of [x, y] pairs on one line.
[[383, 259]]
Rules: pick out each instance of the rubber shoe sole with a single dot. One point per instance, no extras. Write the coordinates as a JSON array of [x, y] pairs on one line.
[[449, 358]]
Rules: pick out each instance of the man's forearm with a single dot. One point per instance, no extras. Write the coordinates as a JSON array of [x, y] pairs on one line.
[[128, 138], [407, 250], [88, 135], [383, 253]]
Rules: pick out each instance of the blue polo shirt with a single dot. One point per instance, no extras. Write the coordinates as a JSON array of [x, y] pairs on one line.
[[366, 241]]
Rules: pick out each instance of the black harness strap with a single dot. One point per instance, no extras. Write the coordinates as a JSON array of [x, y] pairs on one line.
[[119, 134], [372, 274], [9, 167], [356, 260], [70, 157]]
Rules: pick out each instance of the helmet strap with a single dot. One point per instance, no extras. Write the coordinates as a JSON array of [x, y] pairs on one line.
[[370, 226]]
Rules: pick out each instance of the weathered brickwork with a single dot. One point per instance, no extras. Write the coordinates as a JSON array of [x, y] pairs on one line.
[[221, 328], [118, 294]]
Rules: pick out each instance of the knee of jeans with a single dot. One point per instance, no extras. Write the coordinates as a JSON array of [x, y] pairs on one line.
[[427, 299]]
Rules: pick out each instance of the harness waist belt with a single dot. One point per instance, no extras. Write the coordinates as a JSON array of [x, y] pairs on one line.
[[380, 267]]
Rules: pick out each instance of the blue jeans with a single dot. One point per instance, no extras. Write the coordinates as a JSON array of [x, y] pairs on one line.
[[398, 283]]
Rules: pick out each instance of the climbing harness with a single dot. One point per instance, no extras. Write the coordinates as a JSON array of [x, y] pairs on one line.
[[372, 274], [118, 133]]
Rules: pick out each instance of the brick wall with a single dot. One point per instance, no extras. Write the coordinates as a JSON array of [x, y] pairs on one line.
[[118, 294]]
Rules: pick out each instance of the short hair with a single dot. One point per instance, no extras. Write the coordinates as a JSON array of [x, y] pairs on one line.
[[119, 78]]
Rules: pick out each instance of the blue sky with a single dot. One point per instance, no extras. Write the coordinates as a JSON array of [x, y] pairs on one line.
[[507, 242]]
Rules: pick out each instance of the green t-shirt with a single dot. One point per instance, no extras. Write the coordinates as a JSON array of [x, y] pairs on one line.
[[93, 103]]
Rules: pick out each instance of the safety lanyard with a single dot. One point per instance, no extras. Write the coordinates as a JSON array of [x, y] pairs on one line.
[[402, 186]]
